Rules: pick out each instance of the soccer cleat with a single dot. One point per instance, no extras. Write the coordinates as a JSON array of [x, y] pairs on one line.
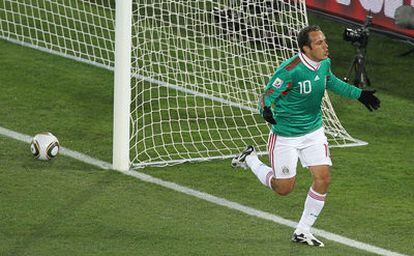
[[240, 160], [306, 238]]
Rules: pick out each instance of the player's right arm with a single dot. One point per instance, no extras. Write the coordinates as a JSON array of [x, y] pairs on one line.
[[279, 83]]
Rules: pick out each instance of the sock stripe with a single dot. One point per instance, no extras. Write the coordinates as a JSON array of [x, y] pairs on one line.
[[269, 177], [315, 196]]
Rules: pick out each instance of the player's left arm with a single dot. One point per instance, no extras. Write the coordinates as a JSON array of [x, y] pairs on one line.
[[339, 87]]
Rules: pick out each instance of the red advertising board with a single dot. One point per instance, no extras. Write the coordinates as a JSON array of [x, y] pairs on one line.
[[383, 12]]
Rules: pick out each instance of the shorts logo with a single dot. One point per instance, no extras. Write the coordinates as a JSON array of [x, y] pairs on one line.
[[285, 170], [277, 83]]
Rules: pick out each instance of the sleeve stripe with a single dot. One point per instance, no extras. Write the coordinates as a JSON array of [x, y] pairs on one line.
[[262, 101], [293, 64]]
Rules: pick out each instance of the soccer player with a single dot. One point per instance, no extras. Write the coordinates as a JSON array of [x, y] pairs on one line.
[[291, 103]]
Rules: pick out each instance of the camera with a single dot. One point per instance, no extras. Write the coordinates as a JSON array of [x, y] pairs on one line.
[[359, 39], [359, 36]]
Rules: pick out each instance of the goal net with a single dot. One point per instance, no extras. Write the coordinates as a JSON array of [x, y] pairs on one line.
[[197, 67]]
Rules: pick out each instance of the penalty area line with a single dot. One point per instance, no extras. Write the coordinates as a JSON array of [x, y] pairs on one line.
[[210, 198]]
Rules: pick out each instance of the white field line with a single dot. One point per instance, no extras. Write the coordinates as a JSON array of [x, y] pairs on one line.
[[210, 198]]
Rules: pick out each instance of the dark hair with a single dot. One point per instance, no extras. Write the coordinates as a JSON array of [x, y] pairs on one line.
[[303, 36]]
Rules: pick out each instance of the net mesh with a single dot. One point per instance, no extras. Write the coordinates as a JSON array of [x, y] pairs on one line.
[[83, 30]]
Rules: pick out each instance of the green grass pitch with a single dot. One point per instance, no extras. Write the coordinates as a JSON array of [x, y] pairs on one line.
[[65, 207]]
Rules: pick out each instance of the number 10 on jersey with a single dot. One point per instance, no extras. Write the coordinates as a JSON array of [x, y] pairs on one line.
[[305, 87]]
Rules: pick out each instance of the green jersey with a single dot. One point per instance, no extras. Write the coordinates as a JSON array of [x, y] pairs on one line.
[[295, 92]]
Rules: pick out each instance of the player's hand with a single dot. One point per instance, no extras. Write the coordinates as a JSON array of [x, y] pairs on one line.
[[369, 99], [268, 115]]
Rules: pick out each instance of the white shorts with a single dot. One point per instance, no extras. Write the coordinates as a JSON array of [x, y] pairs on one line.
[[312, 150]]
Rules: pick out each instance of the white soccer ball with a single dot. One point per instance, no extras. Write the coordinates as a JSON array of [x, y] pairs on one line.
[[44, 146]]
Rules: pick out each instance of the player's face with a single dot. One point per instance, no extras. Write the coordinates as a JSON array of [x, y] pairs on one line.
[[319, 46]]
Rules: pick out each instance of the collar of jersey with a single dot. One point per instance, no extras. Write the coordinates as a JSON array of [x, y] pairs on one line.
[[310, 64]]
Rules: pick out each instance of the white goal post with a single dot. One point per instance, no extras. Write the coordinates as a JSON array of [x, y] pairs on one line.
[[187, 73], [122, 85]]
